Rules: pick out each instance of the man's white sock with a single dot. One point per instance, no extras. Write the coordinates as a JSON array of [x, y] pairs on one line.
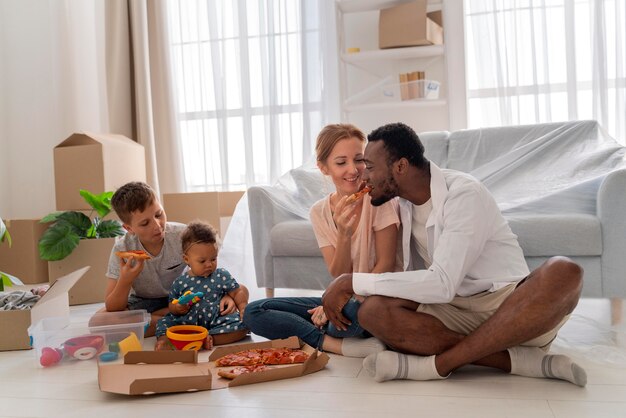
[[534, 362], [361, 347], [390, 365]]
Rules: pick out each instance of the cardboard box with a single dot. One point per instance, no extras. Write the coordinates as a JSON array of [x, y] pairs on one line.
[[408, 24], [22, 258], [90, 252], [14, 324], [150, 372], [211, 207], [97, 163]]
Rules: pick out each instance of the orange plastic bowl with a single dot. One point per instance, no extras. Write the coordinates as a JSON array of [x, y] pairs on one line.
[[187, 337]]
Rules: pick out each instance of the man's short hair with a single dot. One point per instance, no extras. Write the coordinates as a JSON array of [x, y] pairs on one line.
[[401, 141], [131, 197]]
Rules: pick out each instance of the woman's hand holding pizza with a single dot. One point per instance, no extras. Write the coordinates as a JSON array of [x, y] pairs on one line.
[[345, 216]]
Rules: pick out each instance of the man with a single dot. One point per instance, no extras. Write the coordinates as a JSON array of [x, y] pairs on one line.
[[466, 295]]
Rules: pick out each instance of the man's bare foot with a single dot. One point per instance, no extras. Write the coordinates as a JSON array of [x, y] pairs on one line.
[[208, 343], [163, 343]]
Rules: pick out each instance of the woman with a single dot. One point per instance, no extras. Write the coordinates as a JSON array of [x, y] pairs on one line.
[[353, 237]]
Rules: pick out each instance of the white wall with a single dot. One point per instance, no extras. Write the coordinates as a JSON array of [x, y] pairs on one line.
[[54, 82]]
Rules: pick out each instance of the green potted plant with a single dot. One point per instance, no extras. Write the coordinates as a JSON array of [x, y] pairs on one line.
[[6, 279], [69, 227]]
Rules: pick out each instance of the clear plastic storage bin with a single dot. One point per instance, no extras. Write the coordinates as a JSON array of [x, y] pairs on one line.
[[411, 90], [85, 336]]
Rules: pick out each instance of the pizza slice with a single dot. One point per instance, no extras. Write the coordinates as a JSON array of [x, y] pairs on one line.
[[269, 356], [137, 254], [358, 195], [239, 370]]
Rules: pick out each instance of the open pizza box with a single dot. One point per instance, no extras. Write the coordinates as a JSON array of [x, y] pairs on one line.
[[151, 372]]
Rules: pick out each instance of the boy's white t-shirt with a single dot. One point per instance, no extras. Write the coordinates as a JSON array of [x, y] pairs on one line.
[[159, 272]]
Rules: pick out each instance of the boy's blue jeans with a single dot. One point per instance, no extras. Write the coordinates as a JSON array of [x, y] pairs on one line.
[[283, 317]]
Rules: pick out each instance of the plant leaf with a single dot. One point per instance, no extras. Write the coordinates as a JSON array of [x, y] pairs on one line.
[[51, 217], [4, 281], [4, 233], [78, 221], [100, 202], [58, 241], [110, 228]]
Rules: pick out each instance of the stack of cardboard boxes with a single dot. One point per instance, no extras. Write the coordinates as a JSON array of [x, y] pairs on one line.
[[94, 162]]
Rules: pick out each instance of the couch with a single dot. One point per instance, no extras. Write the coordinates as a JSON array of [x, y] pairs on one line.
[[561, 186]]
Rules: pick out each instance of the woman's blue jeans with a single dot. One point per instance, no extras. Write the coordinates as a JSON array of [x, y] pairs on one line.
[[283, 317]]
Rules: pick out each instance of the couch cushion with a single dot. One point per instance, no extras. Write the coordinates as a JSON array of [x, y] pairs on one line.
[[436, 147], [548, 235], [294, 238]]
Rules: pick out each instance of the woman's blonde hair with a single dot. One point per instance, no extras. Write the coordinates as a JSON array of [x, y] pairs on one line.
[[331, 134]]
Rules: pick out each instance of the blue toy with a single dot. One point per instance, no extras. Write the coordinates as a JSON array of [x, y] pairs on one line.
[[188, 298]]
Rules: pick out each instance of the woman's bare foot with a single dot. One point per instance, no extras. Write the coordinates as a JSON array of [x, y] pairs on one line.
[[208, 343], [163, 344]]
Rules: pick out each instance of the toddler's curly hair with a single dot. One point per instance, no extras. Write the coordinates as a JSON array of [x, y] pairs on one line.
[[198, 232]]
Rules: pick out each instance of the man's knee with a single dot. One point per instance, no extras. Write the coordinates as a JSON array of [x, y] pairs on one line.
[[379, 309], [565, 273]]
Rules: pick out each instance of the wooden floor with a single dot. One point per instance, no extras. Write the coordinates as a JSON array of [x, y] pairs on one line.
[[343, 389]]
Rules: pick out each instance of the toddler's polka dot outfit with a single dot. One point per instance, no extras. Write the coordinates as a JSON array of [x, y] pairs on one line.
[[205, 312]]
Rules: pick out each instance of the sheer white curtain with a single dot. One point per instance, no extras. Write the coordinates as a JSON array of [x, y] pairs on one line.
[[531, 61], [254, 83]]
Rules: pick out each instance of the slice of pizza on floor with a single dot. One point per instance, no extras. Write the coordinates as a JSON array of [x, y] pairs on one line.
[[239, 370], [269, 356]]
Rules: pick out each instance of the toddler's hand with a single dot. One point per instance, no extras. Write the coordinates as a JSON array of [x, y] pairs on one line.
[[227, 305], [180, 309], [242, 309]]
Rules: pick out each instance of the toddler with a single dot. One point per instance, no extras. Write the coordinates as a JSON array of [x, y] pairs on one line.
[[200, 248]]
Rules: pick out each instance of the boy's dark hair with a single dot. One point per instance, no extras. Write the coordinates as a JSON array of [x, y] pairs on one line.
[[131, 197], [198, 232], [401, 141]]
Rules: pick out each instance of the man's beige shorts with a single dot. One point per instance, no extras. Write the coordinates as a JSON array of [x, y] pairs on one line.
[[465, 314]]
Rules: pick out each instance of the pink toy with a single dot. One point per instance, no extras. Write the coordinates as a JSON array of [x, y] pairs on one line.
[[50, 356], [81, 348]]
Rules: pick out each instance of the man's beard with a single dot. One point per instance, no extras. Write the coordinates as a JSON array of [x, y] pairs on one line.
[[389, 189]]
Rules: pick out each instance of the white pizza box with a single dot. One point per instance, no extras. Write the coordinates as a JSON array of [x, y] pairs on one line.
[[151, 372]]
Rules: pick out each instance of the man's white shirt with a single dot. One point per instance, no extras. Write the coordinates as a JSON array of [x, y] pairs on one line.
[[471, 246]]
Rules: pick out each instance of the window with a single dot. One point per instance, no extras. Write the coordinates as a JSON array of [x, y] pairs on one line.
[[531, 61], [250, 79]]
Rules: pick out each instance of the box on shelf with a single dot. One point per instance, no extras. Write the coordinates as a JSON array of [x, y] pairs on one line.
[[84, 336], [408, 24], [22, 258], [90, 252], [14, 324], [211, 207], [150, 372], [97, 163], [410, 90]]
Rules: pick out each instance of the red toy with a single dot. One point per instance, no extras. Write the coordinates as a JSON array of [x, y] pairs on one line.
[[81, 348]]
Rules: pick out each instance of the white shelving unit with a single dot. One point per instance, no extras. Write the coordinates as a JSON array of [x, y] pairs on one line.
[[362, 72]]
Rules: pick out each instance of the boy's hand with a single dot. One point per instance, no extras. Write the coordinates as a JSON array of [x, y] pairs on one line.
[[227, 305], [130, 269]]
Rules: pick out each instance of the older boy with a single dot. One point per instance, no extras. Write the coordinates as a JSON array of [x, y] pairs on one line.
[[135, 283]]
